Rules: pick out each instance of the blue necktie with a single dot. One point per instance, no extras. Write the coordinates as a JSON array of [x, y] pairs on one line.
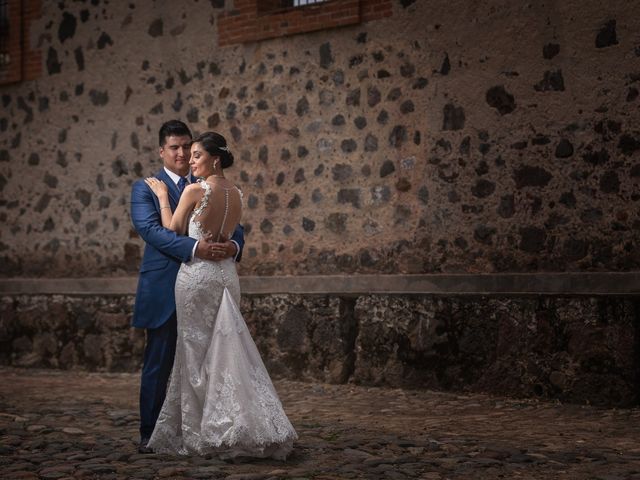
[[181, 184]]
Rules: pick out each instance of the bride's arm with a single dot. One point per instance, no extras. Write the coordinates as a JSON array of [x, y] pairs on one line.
[[188, 200], [174, 221]]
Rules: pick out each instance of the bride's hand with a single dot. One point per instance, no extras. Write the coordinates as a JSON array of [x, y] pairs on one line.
[[156, 186]]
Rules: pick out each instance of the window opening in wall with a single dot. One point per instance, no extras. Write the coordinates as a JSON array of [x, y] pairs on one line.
[[5, 55], [267, 7], [301, 3], [256, 20]]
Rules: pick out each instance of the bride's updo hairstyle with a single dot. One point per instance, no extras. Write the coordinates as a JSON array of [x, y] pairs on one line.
[[216, 145]]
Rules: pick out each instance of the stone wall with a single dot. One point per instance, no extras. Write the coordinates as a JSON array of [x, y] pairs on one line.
[[68, 332], [575, 349], [451, 136]]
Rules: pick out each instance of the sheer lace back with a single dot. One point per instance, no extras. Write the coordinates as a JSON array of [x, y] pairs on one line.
[[218, 212]]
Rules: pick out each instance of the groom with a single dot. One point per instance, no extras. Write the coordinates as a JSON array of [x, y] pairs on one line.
[[155, 308]]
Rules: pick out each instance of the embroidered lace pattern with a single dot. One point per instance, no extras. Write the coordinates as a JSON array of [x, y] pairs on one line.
[[220, 398], [204, 203]]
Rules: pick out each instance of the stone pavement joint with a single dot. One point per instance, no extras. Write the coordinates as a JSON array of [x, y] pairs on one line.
[[66, 425]]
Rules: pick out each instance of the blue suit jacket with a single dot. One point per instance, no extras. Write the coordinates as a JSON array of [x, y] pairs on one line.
[[164, 251]]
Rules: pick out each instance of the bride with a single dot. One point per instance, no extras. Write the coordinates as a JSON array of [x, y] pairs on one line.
[[220, 398]]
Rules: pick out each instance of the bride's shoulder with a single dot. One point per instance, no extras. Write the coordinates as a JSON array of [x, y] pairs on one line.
[[193, 189]]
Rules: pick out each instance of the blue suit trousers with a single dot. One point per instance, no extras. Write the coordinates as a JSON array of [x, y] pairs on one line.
[[158, 362]]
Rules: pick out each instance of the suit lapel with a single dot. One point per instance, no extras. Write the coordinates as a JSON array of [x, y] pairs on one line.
[[174, 194]]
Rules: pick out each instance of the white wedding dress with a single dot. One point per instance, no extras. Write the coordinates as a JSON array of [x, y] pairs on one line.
[[220, 399]]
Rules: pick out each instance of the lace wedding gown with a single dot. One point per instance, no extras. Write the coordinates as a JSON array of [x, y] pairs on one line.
[[220, 398]]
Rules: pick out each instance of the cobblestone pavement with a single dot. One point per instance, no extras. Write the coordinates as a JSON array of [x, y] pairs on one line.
[[64, 425]]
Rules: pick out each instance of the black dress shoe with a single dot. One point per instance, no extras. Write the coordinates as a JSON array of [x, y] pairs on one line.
[[143, 446]]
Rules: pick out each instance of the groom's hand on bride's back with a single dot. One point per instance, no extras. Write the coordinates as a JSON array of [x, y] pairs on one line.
[[208, 249]]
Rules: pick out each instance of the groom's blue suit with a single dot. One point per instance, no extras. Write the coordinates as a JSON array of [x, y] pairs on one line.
[[155, 307]]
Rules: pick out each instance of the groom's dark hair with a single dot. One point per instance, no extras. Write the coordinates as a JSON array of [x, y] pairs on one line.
[[173, 128]]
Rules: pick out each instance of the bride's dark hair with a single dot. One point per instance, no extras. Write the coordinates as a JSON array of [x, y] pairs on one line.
[[215, 144]]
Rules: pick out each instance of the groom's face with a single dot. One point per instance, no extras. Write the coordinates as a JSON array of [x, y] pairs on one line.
[[175, 154]]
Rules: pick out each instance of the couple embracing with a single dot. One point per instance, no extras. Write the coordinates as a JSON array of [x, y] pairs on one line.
[[204, 388]]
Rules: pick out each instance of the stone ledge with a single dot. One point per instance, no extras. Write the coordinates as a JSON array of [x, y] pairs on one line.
[[596, 283]]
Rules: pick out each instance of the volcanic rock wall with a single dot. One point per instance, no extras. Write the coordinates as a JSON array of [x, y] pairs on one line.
[[576, 349], [447, 137]]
